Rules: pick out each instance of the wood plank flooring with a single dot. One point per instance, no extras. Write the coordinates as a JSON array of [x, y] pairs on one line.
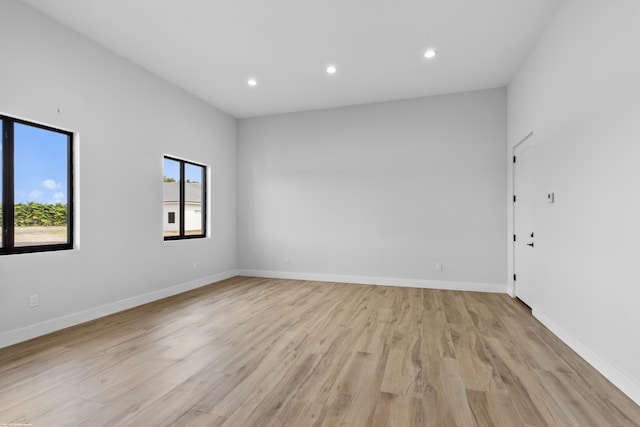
[[262, 352]]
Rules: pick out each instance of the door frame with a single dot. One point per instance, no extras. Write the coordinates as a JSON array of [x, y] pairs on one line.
[[511, 290]]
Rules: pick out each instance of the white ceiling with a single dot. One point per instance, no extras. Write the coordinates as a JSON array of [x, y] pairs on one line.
[[210, 48]]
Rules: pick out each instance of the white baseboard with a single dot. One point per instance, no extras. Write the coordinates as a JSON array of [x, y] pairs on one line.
[[386, 281], [618, 377], [625, 382], [32, 331]]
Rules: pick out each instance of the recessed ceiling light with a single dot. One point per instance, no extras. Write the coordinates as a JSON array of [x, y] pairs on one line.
[[430, 54], [331, 69], [252, 82]]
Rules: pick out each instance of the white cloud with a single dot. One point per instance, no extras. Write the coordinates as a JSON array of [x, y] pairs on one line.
[[50, 184], [58, 198], [35, 194]]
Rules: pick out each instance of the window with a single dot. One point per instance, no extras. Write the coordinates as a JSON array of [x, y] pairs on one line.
[[36, 183], [184, 199]]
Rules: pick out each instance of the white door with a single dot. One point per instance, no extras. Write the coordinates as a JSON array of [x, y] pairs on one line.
[[524, 243]]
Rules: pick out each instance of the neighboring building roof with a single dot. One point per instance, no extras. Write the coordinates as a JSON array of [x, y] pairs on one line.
[[193, 192]]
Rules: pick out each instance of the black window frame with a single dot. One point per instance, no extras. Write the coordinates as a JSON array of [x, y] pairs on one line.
[[7, 226], [181, 205]]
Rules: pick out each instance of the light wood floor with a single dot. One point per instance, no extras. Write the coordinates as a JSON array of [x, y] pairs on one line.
[[258, 352]]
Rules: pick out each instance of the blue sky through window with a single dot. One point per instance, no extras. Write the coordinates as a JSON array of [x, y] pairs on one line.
[[40, 165], [172, 170]]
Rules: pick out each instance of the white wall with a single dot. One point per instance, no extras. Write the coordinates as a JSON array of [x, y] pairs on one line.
[[384, 191], [126, 119], [579, 92]]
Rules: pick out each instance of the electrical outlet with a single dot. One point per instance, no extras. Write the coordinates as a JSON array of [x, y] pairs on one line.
[[438, 266], [195, 265], [286, 260], [34, 300]]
